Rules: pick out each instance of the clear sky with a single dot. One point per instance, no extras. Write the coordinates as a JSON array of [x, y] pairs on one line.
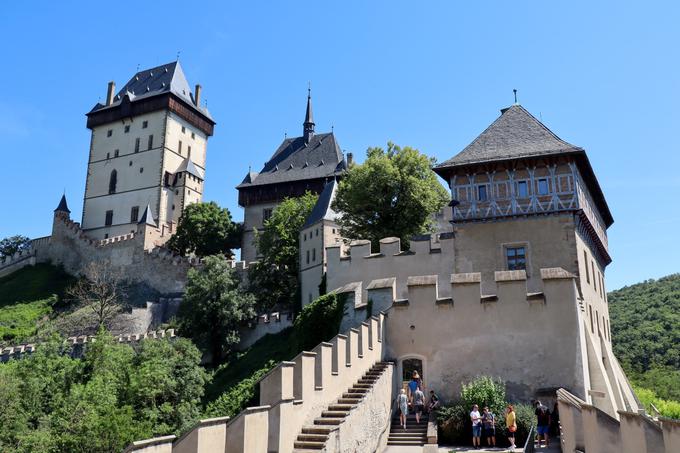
[[433, 75]]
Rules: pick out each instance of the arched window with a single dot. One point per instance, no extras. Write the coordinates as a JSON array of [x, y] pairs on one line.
[[112, 181]]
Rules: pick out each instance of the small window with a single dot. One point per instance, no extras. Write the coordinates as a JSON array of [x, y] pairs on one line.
[[116, 152], [592, 326], [266, 214], [176, 192], [304, 237], [307, 256], [313, 255], [108, 155], [130, 164], [543, 186], [137, 145], [189, 151], [109, 133], [193, 136], [141, 169], [145, 124], [317, 232], [106, 236], [585, 262], [333, 230], [522, 191], [127, 128], [108, 221], [173, 207], [150, 141], [134, 214], [481, 193], [184, 129], [179, 147], [310, 298], [516, 257], [592, 263], [113, 181]]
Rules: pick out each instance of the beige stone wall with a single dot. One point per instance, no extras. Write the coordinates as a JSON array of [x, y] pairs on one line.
[[313, 256], [252, 219]]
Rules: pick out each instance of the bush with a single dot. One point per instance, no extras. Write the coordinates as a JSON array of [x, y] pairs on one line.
[[319, 321], [670, 409], [484, 391], [239, 397]]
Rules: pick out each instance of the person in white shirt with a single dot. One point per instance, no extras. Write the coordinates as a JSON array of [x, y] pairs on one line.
[[476, 426]]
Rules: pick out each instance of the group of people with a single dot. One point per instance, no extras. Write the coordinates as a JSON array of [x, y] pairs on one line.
[[416, 399]]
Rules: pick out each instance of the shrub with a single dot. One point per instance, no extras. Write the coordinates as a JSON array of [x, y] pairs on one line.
[[484, 391], [525, 414], [667, 408], [239, 397], [319, 321]]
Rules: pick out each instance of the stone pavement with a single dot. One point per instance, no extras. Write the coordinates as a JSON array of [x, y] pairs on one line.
[[554, 448]]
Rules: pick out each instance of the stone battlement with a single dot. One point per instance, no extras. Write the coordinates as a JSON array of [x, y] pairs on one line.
[[76, 344]]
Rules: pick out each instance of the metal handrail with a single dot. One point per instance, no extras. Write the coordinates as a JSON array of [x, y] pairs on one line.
[[529, 446]]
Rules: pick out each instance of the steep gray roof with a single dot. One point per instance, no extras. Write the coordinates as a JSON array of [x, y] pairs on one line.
[[167, 78], [296, 161], [191, 168], [515, 134], [322, 209], [63, 207], [147, 217]]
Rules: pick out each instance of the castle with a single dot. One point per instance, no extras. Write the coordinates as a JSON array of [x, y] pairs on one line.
[[512, 284]]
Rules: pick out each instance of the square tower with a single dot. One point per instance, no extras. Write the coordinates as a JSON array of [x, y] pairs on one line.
[[148, 147]]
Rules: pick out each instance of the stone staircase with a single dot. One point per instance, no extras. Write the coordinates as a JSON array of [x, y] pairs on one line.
[[415, 434], [314, 437]]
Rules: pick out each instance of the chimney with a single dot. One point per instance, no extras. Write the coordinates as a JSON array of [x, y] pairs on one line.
[[197, 95], [110, 92], [350, 159]]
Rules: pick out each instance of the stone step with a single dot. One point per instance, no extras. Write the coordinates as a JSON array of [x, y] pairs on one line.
[[315, 429], [328, 421], [352, 400], [407, 434], [334, 414], [340, 407], [406, 442], [357, 391], [361, 385], [310, 445], [312, 437]]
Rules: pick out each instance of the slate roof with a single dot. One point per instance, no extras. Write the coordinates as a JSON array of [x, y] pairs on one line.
[[191, 168], [147, 217], [517, 134], [167, 78], [295, 160], [63, 207], [514, 134], [322, 209]]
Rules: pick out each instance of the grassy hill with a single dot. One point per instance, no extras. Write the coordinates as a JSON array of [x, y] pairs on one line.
[[645, 324], [28, 295]]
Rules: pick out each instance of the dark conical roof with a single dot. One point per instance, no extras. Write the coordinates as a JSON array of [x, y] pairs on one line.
[[309, 116], [63, 207], [322, 209], [147, 217]]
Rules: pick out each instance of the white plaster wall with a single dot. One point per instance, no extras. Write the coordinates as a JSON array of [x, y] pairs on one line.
[[252, 218]]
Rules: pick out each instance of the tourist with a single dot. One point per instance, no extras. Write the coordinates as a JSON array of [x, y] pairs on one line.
[[414, 384], [511, 425], [418, 403], [433, 404], [488, 427], [402, 403], [476, 426], [543, 423]]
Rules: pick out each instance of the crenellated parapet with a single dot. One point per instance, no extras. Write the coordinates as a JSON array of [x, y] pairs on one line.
[[76, 345]]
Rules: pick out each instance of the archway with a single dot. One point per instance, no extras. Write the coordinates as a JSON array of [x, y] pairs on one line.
[[407, 364]]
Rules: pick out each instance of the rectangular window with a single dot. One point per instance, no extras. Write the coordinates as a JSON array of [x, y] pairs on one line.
[[145, 124], [266, 214], [189, 151], [108, 155], [184, 129], [134, 214], [108, 221], [522, 191], [116, 152], [109, 133], [516, 257], [590, 309], [304, 236], [307, 256], [150, 141], [543, 186], [481, 192], [597, 319], [179, 147], [193, 136], [127, 128], [137, 145], [585, 262], [592, 263], [313, 255]]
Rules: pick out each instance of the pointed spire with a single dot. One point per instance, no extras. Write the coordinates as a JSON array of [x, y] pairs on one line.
[[147, 217], [308, 125], [63, 207]]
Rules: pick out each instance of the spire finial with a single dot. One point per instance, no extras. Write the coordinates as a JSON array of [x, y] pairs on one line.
[[178, 52], [137, 67], [309, 90], [308, 125], [514, 91]]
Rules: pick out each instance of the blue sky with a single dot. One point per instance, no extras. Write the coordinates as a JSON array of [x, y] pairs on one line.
[[433, 75]]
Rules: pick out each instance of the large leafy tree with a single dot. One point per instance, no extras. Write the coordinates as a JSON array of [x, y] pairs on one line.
[[10, 245], [214, 306], [205, 229], [393, 193], [274, 279]]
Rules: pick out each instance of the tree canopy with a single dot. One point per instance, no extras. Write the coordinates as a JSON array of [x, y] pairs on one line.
[[393, 193], [214, 306], [274, 279], [205, 229], [10, 245]]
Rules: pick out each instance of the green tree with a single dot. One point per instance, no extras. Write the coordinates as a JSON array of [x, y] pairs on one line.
[[10, 245], [214, 306], [393, 193], [274, 279], [319, 321], [205, 229]]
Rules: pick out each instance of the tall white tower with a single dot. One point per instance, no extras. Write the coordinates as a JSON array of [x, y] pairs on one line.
[[148, 147]]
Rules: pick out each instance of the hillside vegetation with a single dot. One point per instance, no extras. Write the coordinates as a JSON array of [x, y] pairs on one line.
[[645, 324]]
